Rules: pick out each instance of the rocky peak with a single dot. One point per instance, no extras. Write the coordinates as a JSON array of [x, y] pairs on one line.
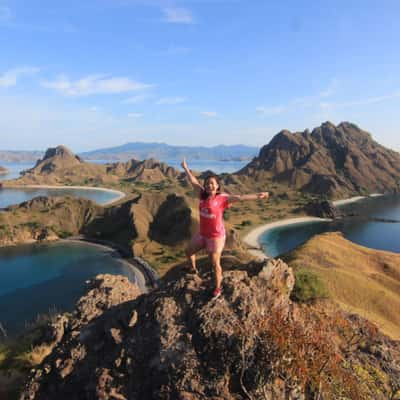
[[174, 343], [60, 151], [331, 160]]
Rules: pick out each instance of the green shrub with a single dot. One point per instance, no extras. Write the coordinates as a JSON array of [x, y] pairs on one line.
[[308, 287]]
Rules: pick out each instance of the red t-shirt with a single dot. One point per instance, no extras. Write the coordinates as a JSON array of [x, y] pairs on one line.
[[211, 215]]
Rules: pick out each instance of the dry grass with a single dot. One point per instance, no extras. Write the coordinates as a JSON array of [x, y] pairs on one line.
[[361, 280]]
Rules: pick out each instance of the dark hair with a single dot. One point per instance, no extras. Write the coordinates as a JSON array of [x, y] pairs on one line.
[[204, 195]]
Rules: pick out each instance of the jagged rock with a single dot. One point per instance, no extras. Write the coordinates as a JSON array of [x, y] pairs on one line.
[[323, 209], [174, 343]]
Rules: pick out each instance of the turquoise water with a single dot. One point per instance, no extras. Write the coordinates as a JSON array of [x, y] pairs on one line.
[[10, 196], [38, 278], [361, 229]]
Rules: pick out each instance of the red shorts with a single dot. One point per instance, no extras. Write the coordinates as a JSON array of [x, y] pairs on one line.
[[212, 245]]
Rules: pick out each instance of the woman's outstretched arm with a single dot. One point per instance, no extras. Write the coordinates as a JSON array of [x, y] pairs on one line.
[[193, 180], [243, 197]]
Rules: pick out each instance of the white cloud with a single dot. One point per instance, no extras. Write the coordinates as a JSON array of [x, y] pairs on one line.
[[171, 100], [10, 77], [271, 110], [209, 114], [134, 99], [94, 84], [178, 15], [135, 115]]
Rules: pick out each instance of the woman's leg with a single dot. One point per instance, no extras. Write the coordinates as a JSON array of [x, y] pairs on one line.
[[196, 244], [215, 259], [215, 247]]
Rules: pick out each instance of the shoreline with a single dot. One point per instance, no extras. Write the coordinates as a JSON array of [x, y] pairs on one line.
[[140, 280], [251, 239], [120, 194]]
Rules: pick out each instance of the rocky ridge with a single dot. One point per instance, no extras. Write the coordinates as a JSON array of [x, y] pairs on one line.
[[174, 343], [60, 166], [331, 160]]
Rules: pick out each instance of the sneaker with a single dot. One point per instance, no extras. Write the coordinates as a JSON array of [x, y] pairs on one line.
[[216, 293]]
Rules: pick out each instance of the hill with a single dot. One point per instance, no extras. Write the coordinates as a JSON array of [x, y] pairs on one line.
[[361, 280], [20, 156], [173, 343], [331, 160]]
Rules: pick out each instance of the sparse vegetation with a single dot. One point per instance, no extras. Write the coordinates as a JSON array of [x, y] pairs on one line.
[[308, 287]]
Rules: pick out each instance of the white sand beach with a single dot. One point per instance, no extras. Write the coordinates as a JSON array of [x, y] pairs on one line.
[[252, 238], [119, 193]]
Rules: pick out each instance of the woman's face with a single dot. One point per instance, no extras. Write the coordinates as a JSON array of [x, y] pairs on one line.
[[211, 186]]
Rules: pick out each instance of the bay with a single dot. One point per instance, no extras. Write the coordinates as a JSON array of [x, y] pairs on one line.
[[39, 278], [368, 228]]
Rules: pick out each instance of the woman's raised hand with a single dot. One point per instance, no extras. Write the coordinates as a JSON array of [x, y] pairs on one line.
[[263, 195], [183, 163]]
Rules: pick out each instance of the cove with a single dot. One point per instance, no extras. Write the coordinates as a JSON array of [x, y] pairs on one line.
[[376, 225], [38, 278], [9, 196]]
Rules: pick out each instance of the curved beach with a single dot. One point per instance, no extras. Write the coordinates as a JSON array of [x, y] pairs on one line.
[[252, 238], [117, 192]]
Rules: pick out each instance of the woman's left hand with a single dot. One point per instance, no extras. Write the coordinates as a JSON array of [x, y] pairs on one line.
[[263, 195]]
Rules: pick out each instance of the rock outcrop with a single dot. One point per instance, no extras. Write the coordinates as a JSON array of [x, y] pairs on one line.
[[147, 171], [3, 171], [331, 160], [322, 209], [174, 343]]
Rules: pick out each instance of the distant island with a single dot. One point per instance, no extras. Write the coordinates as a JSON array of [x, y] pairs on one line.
[[143, 151]]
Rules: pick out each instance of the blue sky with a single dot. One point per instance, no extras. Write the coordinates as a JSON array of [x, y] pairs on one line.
[[99, 73]]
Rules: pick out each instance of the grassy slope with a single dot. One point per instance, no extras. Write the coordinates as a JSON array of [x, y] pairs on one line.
[[360, 279]]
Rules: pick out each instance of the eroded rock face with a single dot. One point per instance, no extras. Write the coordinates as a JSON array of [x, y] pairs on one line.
[[323, 209], [174, 343], [329, 160]]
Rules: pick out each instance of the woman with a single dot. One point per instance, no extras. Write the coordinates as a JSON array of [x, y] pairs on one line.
[[212, 231]]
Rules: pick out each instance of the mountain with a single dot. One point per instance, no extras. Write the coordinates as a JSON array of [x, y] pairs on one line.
[[162, 151], [173, 343], [20, 156], [142, 151], [332, 160]]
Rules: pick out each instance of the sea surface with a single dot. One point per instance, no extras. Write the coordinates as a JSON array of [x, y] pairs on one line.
[[42, 278], [377, 225]]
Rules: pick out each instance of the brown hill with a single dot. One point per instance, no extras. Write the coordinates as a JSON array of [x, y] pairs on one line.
[[45, 218], [333, 160], [3, 170], [361, 280], [147, 171], [174, 343]]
